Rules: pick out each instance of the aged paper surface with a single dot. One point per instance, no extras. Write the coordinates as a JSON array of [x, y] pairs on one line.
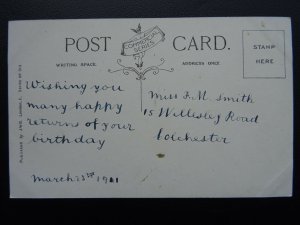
[[182, 107]]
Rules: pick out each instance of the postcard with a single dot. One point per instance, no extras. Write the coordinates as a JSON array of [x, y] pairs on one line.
[[151, 108]]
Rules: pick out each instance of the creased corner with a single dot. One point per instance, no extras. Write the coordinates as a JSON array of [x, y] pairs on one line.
[[280, 185]]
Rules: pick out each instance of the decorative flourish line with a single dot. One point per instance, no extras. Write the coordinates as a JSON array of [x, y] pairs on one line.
[[170, 70], [126, 70], [140, 75]]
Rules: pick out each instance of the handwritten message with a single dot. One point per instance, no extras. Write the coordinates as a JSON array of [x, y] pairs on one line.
[[64, 109], [98, 105]]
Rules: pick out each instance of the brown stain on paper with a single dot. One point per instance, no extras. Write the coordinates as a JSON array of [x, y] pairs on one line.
[[160, 155]]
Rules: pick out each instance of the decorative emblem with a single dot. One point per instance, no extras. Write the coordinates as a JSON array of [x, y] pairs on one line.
[[137, 46]]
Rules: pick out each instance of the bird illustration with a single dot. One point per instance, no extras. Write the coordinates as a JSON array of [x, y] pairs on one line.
[[138, 30]]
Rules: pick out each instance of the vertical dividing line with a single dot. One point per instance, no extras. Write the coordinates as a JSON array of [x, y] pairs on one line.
[[141, 87]]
